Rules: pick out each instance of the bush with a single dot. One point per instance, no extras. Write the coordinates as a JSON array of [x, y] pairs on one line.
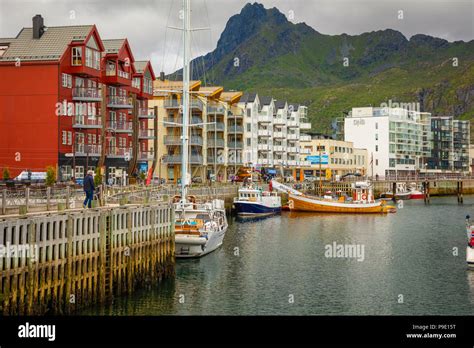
[[50, 176], [6, 174], [97, 177]]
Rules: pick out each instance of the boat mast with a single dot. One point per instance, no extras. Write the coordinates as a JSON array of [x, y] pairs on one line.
[[186, 103]]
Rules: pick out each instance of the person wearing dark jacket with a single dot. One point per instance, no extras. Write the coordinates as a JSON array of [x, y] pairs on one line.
[[89, 189]]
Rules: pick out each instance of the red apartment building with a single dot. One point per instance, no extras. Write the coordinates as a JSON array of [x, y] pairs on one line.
[[72, 100]]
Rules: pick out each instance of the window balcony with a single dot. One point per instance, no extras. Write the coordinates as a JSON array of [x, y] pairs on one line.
[[264, 133], [211, 159], [216, 110], [87, 94], [86, 122], [176, 159], [292, 162], [279, 135], [146, 134], [264, 119], [215, 143], [235, 115], [305, 138], [120, 127], [293, 149], [146, 113], [279, 148], [176, 140], [175, 104], [235, 144], [264, 161], [235, 129], [146, 156], [263, 147], [113, 76], [293, 124], [171, 122], [305, 163], [120, 152], [292, 137], [119, 102], [218, 126], [84, 150], [305, 151]]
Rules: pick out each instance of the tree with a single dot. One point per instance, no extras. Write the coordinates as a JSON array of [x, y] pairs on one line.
[[97, 177], [6, 173], [50, 175]]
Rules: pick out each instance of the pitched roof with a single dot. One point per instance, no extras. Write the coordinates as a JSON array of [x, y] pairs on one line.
[[248, 97], [164, 87], [265, 100], [231, 97], [211, 91], [50, 46], [280, 104], [140, 66], [113, 45]]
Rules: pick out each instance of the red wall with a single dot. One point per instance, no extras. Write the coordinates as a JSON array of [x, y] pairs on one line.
[[28, 121]]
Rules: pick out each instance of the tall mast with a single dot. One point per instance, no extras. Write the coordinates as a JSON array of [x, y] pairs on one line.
[[186, 103]]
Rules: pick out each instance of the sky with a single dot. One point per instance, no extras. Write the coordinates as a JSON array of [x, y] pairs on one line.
[[147, 23]]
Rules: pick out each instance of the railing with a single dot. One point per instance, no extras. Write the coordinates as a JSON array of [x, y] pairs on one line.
[[146, 113], [120, 126], [264, 161], [292, 137], [85, 121], [293, 149], [263, 147], [279, 148], [218, 126], [119, 152], [215, 142], [177, 122], [280, 135], [146, 133], [174, 103], [264, 119], [176, 140], [146, 156], [292, 123], [235, 144], [279, 120], [220, 160], [235, 129], [176, 159], [87, 149], [123, 74], [81, 93], [305, 137], [305, 151], [215, 109], [264, 133], [305, 125], [119, 101]]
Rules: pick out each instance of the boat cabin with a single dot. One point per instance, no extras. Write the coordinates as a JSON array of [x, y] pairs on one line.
[[362, 192]]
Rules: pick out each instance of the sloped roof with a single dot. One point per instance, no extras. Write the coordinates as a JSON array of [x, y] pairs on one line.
[[140, 66], [51, 46], [113, 45], [231, 97], [265, 100], [211, 91], [248, 97], [280, 104], [168, 85]]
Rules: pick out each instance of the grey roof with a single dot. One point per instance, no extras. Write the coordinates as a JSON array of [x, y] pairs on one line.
[[248, 97], [295, 106], [50, 46], [6, 39], [265, 100], [113, 45], [140, 66], [280, 104]]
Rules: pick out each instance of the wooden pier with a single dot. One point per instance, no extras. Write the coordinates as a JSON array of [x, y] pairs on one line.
[[82, 257]]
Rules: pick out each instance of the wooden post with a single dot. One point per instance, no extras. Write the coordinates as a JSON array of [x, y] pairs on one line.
[[69, 261], [102, 254], [68, 196], [130, 256], [428, 191], [27, 198], [48, 198], [394, 191], [32, 268], [459, 192], [4, 202]]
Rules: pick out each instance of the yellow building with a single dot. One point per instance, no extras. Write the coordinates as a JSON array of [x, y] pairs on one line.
[[215, 135], [337, 158]]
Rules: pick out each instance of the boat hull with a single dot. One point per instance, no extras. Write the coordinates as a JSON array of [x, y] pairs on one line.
[[417, 195], [255, 209], [470, 257], [193, 247], [309, 204]]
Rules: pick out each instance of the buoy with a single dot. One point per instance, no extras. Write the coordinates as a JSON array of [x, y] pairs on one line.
[[364, 196]]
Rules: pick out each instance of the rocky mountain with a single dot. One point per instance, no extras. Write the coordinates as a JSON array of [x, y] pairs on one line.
[[261, 51]]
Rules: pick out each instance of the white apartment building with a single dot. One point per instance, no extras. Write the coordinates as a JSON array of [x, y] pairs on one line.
[[273, 132], [398, 140]]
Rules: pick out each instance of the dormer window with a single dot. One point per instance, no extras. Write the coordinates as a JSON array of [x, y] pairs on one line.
[[136, 82], [76, 56]]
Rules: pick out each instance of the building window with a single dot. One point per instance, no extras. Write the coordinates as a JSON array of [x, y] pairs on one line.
[[376, 148], [64, 138], [249, 127], [136, 82], [66, 80], [376, 136], [376, 125], [96, 60], [69, 138], [249, 142], [77, 56], [89, 58], [376, 162]]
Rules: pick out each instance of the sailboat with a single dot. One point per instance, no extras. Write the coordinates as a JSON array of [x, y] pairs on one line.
[[200, 227]]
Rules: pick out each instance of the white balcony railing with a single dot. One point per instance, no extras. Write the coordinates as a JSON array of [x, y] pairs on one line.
[[87, 149], [305, 151], [305, 125], [305, 137], [87, 122], [280, 135], [86, 94], [279, 148], [263, 147], [264, 119], [264, 133], [292, 123], [293, 149], [292, 137], [123, 74]]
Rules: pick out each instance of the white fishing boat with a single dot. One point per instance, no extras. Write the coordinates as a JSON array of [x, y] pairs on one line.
[[199, 226], [254, 202], [470, 242]]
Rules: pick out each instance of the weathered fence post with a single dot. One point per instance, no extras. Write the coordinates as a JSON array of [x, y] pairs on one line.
[[48, 198], [32, 268], [4, 202], [68, 197], [69, 262]]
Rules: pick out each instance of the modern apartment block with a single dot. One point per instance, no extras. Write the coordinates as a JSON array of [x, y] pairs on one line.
[[398, 140], [340, 157], [71, 100], [451, 141], [215, 135], [273, 133]]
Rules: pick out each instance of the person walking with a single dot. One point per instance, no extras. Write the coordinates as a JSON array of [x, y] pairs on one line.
[[89, 189]]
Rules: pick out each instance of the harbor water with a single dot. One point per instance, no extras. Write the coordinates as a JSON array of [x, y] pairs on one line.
[[413, 263]]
